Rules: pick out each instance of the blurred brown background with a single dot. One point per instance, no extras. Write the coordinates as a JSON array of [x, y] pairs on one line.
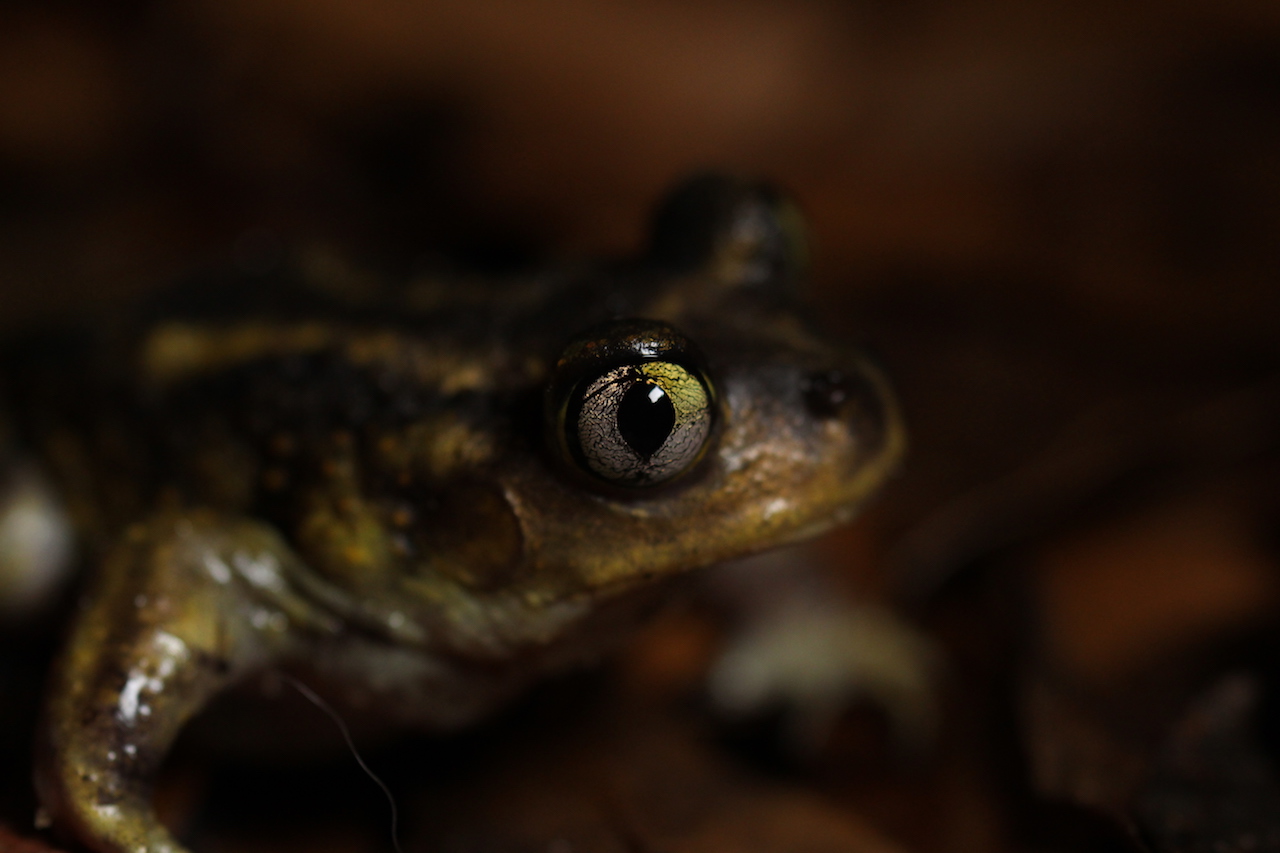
[[1057, 224]]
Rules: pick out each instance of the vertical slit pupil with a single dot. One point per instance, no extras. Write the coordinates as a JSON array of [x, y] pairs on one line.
[[645, 418]]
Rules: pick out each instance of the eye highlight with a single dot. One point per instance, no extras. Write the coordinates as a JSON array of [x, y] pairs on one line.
[[633, 406]]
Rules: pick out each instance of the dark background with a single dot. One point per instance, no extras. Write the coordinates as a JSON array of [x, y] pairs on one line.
[[1056, 224]]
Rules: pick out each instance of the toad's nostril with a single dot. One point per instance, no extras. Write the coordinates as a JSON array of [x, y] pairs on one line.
[[827, 391]]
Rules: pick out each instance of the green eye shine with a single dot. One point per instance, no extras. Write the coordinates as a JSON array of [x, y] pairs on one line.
[[633, 405]]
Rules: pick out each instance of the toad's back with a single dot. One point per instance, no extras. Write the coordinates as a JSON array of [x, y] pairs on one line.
[[222, 393], [427, 494]]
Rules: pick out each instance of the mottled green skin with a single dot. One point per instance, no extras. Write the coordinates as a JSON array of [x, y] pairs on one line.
[[318, 469]]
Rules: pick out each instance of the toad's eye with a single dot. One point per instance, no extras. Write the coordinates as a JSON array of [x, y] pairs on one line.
[[642, 424], [635, 408]]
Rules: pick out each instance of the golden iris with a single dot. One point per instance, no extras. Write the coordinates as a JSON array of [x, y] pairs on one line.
[[639, 410]]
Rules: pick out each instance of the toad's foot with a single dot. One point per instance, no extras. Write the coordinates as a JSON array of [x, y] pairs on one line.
[[183, 606], [813, 659]]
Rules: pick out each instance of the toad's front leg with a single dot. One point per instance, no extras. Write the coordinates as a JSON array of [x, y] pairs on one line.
[[183, 606]]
